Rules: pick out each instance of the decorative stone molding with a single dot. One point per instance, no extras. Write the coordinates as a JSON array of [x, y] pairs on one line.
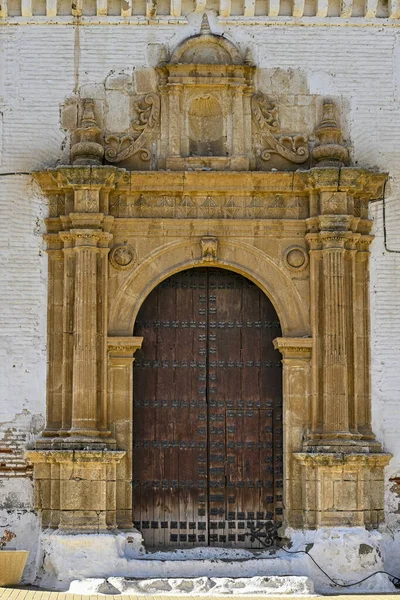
[[329, 13], [203, 113], [296, 258], [123, 347], [294, 347]]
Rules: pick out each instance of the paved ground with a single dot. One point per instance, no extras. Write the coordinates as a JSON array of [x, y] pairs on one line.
[[24, 594]]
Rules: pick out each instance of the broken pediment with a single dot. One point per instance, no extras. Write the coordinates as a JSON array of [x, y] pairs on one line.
[[201, 110]]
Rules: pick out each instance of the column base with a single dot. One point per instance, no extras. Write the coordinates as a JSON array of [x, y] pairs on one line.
[[330, 444], [75, 490], [342, 488], [75, 442]]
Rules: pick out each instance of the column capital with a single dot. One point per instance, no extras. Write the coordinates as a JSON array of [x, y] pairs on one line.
[[123, 347], [78, 238], [174, 88], [295, 347]]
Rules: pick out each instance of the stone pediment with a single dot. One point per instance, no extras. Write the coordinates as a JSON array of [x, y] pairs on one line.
[[206, 49], [205, 107]]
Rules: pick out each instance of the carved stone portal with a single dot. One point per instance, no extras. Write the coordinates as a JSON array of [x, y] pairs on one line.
[[203, 113], [303, 237]]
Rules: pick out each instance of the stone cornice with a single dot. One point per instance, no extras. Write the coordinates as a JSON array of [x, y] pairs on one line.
[[358, 181], [340, 459]]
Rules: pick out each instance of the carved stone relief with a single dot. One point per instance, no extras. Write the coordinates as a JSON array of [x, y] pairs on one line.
[[123, 256], [209, 247], [118, 148], [265, 113], [203, 111]]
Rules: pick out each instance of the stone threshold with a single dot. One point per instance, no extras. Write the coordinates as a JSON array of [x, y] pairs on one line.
[[26, 593], [197, 586]]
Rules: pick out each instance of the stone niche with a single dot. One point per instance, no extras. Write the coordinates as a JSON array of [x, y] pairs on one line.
[[302, 236]]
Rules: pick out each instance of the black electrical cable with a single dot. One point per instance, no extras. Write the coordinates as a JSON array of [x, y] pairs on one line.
[[343, 585], [267, 535]]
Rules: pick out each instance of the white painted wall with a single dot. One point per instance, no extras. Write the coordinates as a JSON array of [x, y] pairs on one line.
[[41, 65]]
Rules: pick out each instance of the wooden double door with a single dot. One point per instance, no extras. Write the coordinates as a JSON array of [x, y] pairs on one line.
[[207, 421]]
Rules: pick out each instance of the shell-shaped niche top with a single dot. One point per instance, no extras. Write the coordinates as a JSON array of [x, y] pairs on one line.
[[206, 48]]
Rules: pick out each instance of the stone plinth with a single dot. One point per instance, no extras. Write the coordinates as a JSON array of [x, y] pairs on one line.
[[343, 489], [76, 489]]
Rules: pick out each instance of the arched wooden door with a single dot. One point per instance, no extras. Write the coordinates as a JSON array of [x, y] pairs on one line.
[[207, 423]]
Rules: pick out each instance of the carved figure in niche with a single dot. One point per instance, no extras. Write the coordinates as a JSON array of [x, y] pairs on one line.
[[206, 127]]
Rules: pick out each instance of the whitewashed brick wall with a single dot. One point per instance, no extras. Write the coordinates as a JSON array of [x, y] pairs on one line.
[[42, 64]]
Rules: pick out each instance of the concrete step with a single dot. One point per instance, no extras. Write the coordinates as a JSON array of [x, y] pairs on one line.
[[197, 586]]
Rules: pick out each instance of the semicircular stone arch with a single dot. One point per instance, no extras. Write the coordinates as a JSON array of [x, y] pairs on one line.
[[238, 257]]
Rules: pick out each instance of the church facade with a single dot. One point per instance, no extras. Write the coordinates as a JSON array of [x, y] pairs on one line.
[[200, 343]]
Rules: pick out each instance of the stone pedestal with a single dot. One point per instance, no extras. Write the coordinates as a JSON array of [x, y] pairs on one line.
[[76, 489], [342, 490]]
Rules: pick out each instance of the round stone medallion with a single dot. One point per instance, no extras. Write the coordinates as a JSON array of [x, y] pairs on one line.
[[296, 258], [122, 256]]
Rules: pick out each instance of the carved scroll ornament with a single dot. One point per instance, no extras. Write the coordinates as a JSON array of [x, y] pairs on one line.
[[293, 148], [118, 148]]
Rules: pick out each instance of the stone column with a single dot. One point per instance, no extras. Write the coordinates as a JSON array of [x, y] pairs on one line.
[[174, 119], [238, 142], [335, 386], [296, 361], [247, 119], [84, 409], [362, 354], [84, 418], [68, 329], [121, 351], [54, 335]]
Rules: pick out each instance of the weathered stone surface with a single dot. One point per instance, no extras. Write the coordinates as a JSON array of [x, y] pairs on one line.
[[345, 554], [196, 586]]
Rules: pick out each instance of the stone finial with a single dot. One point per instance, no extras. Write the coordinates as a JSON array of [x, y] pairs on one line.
[[249, 58], [205, 28], [329, 151], [163, 57], [87, 151]]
